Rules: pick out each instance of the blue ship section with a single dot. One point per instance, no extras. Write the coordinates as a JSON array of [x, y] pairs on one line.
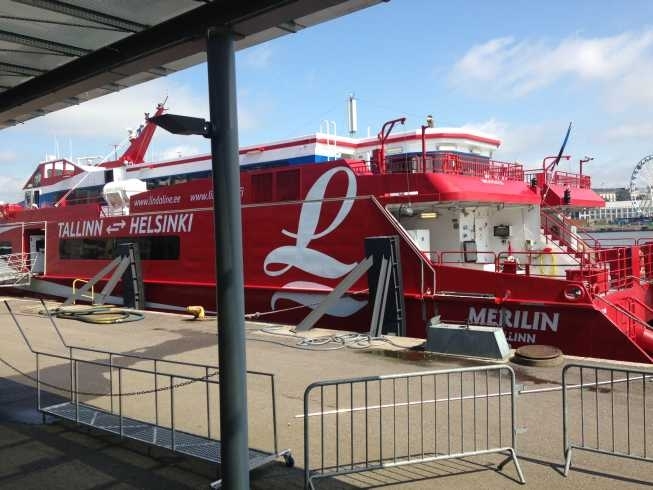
[[51, 198], [301, 160]]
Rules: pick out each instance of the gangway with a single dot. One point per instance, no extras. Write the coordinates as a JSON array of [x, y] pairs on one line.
[[16, 269], [106, 411]]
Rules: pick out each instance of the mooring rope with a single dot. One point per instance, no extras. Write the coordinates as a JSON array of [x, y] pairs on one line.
[[99, 315], [351, 340], [91, 393]]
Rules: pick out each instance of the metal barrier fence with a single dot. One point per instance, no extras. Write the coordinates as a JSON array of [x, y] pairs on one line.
[[160, 402], [378, 422], [610, 414]]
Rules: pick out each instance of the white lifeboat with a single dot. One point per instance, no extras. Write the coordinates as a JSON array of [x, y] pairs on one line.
[[117, 194]]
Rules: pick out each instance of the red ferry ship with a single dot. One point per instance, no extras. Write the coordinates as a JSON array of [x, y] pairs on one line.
[[480, 241]]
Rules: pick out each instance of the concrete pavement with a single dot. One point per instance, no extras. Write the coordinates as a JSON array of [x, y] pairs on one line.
[[63, 456]]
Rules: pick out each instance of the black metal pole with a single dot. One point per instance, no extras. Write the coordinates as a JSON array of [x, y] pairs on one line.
[[229, 258]]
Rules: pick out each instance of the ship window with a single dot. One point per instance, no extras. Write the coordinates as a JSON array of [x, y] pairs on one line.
[[5, 248], [151, 248], [83, 196], [262, 187], [32, 199], [288, 185]]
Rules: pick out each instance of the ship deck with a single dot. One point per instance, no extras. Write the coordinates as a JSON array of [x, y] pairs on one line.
[[67, 456]]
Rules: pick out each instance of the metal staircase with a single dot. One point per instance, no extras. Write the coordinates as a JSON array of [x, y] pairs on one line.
[[557, 228]]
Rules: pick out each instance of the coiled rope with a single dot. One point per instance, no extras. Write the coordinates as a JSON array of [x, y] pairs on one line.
[[99, 315], [350, 340]]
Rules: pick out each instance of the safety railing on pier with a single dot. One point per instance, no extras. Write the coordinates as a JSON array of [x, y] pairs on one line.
[[367, 423], [591, 421], [160, 402]]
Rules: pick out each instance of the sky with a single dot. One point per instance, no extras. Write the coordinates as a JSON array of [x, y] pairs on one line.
[[518, 70]]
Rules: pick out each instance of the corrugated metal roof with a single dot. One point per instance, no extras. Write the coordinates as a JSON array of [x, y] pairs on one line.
[[54, 54]]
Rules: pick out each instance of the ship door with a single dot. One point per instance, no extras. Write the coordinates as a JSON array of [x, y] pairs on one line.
[[37, 253]]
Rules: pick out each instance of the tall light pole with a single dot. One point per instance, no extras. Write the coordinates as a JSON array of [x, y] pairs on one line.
[[230, 299]]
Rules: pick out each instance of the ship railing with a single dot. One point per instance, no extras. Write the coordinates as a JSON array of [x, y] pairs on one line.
[[591, 421], [160, 402], [541, 263], [619, 267], [444, 163], [427, 277], [558, 230], [470, 258], [16, 269], [460, 164], [636, 305], [646, 260], [622, 317], [375, 422], [563, 179], [615, 266], [571, 180], [610, 242], [600, 271], [536, 263], [364, 167], [109, 211]]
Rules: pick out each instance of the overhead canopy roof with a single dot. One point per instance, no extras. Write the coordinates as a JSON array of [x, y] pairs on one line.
[[54, 54], [581, 198]]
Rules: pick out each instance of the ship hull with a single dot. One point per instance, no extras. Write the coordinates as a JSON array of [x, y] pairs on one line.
[[298, 250]]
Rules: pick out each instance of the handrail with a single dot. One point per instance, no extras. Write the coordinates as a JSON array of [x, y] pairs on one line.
[[85, 282], [628, 314], [537, 253], [113, 353], [646, 307], [407, 239], [571, 179], [445, 163], [565, 235], [441, 254]]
